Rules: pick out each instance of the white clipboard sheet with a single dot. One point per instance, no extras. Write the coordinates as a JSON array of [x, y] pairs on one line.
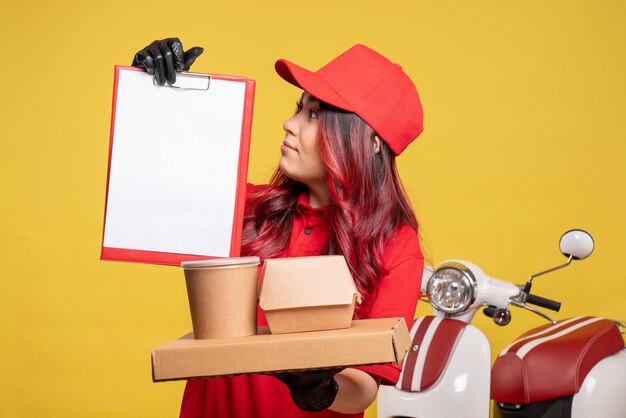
[[178, 163]]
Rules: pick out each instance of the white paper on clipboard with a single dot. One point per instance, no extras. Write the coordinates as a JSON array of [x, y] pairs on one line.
[[177, 167]]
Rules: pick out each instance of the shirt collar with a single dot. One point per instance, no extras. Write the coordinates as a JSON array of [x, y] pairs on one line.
[[305, 210]]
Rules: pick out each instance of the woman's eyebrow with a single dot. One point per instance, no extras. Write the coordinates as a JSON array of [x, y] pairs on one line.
[[307, 98]]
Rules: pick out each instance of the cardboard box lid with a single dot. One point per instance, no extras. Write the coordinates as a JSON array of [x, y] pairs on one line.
[[368, 341], [297, 282]]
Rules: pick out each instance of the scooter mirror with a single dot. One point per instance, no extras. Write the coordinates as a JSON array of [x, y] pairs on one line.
[[576, 243]]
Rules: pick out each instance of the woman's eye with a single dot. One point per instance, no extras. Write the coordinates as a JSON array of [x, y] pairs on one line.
[[313, 114]]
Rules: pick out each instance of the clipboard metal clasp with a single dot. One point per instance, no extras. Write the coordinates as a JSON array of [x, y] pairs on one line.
[[189, 81]]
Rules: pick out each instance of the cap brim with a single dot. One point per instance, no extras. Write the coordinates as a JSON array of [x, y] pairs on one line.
[[310, 82]]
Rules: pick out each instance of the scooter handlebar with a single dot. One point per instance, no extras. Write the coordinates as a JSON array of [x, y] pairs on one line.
[[543, 302]]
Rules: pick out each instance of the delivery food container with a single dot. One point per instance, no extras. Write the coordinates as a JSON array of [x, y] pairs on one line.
[[367, 341], [300, 294], [223, 296]]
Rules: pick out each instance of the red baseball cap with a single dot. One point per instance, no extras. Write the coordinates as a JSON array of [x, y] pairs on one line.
[[362, 81]]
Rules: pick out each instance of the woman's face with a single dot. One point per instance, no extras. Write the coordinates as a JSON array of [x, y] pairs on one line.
[[300, 159]]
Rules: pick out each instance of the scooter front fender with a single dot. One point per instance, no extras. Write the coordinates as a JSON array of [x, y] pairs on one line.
[[462, 391]]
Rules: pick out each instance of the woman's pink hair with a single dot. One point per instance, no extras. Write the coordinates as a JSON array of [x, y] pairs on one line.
[[368, 202]]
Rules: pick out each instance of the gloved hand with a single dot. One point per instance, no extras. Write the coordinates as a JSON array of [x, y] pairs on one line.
[[163, 58], [311, 390]]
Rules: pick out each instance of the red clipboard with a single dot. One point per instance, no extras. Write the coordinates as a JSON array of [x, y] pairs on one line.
[[178, 164]]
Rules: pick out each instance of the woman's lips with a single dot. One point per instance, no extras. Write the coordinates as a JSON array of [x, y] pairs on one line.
[[286, 147]]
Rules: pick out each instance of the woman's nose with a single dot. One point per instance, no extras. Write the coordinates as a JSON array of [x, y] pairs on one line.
[[290, 126]]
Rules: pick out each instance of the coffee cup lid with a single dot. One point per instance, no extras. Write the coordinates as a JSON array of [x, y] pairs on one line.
[[221, 262]]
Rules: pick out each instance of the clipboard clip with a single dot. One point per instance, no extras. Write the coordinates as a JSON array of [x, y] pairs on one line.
[[188, 81]]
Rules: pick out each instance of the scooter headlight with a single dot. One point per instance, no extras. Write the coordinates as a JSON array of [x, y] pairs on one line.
[[452, 288]]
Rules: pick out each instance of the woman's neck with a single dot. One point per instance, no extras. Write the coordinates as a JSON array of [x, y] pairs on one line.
[[319, 195]]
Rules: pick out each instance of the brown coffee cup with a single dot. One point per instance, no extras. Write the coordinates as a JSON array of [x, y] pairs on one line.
[[223, 296]]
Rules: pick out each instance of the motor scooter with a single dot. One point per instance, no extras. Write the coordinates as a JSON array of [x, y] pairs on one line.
[[574, 368]]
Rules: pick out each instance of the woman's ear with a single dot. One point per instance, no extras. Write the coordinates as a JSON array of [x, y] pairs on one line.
[[376, 144]]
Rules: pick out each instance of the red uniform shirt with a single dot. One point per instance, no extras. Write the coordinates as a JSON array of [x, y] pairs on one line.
[[263, 396]]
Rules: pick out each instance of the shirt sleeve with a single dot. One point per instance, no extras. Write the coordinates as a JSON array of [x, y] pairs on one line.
[[398, 291]]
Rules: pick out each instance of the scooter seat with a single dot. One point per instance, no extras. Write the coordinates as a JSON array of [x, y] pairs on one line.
[[552, 361]]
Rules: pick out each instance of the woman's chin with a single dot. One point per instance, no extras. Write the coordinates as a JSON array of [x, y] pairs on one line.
[[284, 167]]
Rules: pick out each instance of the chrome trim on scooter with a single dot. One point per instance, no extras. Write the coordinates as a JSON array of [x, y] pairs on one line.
[[533, 310], [468, 278]]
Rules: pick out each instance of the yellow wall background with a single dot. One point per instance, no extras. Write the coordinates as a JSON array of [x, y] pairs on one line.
[[525, 139]]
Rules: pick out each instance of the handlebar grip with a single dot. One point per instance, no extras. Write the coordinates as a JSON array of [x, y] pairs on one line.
[[543, 302]]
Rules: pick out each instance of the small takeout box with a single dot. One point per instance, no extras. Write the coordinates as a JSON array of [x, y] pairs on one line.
[[300, 294], [368, 341]]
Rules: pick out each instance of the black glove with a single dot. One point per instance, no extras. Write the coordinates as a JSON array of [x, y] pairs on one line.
[[163, 58], [311, 390]]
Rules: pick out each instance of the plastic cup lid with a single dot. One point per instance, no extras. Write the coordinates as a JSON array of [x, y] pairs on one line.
[[221, 262]]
